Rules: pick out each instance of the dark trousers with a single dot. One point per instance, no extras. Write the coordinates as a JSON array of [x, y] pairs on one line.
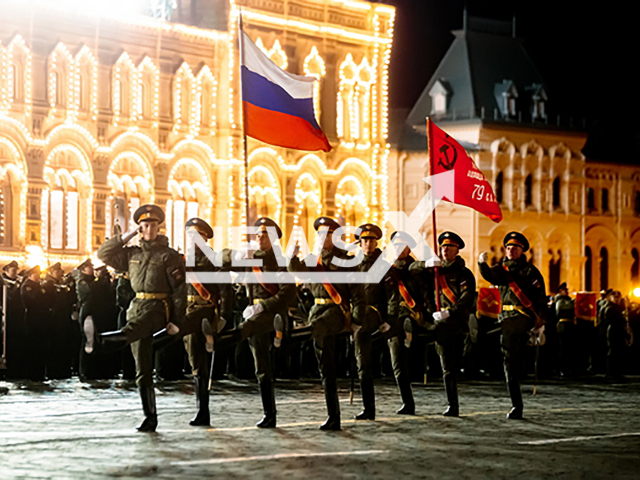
[[515, 334]]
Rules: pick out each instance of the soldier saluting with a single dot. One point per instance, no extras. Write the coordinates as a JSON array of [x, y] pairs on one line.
[[523, 297], [157, 274], [336, 305], [457, 287]]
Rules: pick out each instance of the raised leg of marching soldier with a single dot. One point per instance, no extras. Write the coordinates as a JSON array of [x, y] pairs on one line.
[[515, 334], [195, 345], [362, 341]]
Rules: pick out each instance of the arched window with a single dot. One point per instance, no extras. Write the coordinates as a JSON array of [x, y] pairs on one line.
[[346, 118], [605, 200], [528, 190], [125, 81], [264, 195], [366, 77], [604, 268], [86, 84], [148, 91], [351, 202], [556, 193], [499, 187], [61, 68], [635, 266], [636, 203], [555, 268], [588, 269], [308, 198], [314, 66], [207, 96], [591, 199], [19, 79], [185, 106]]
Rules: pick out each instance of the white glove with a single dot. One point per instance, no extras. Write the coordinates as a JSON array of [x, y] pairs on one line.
[[130, 234], [252, 310], [293, 251], [484, 256], [74, 316], [441, 315], [433, 262]]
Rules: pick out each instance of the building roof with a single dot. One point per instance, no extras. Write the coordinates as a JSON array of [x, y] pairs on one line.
[[483, 63]]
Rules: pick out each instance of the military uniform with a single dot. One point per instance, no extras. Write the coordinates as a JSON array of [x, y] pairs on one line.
[[88, 307], [16, 330], [124, 296], [516, 319], [328, 318], [157, 274], [206, 304], [382, 302], [616, 323], [457, 288], [35, 317], [567, 334], [410, 319]]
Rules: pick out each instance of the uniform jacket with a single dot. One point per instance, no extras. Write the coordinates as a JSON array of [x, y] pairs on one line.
[[384, 295], [565, 307], [401, 273], [221, 293]]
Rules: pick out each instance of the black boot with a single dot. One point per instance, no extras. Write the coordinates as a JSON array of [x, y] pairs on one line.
[[451, 388], [516, 400], [268, 405], [202, 418], [148, 397], [408, 404], [333, 406], [368, 400]]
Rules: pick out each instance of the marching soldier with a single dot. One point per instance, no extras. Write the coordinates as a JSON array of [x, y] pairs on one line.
[[567, 335], [88, 308], [269, 308], [617, 334], [523, 297], [157, 276], [336, 306], [457, 297], [382, 301], [124, 296], [410, 318], [35, 314], [16, 330], [60, 298], [208, 305]]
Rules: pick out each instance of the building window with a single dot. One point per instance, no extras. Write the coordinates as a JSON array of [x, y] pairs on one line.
[[588, 269], [555, 268], [591, 199], [604, 268], [439, 93], [528, 190], [635, 266], [605, 200], [314, 66], [636, 203], [556, 192], [499, 187]]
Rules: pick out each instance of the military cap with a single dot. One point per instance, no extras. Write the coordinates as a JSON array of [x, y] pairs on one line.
[[12, 263], [369, 230], [200, 226], [33, 270], [450, 238], [517, 239], [148, 213], [607, 292], [86, 263], [563, 286], [54, 267], [326, 222], [100, 268], [399, 238], [264, 222]]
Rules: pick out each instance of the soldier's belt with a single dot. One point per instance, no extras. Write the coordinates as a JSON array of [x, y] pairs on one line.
[[516, 308], [196, 299], [257, 300], [152, 296], [324, 301], [567, 320]]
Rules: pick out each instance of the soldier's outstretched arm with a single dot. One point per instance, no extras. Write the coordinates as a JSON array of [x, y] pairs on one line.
[[114, 253], [494, 275]]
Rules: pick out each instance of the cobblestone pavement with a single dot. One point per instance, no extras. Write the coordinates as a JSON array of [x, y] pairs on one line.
[[69, 429]]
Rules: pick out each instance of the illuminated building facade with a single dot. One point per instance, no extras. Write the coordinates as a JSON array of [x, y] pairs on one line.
[[100, 113], [581, 217]]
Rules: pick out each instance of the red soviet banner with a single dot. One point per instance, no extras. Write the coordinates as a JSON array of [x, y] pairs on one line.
[[489, 302], [471, 187], [586, 306]]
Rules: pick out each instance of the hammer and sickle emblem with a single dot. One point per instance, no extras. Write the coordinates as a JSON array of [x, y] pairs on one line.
[[444, 160]]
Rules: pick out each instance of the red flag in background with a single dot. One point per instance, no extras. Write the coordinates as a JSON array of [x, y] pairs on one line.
[[471, 187]]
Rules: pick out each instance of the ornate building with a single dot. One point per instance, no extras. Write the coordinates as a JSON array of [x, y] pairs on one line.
[[100, 113], [581, 216]]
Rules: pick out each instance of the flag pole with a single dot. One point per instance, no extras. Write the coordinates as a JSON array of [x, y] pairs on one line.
[[436, 273]]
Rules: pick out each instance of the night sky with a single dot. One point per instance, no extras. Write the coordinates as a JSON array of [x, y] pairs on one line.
[[589, 57]]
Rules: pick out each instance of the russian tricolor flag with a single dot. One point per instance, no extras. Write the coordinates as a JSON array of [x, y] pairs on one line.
[[278, 105]]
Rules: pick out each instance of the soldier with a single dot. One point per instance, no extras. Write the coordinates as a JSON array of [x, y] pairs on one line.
[[124, 296], [35, 314], [60, 298], [157, 276], [565, 313], [382, 302], [457, 299], [617, 334], [523, 297], [336, 306], [410, 318], [88, 307], [16, 333], [208, 305]]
